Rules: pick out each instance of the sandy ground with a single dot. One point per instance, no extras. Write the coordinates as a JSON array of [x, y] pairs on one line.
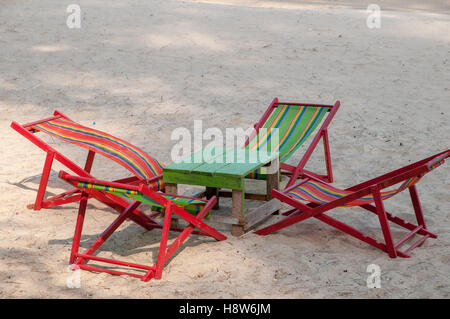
[[139, 69], [437, 6]]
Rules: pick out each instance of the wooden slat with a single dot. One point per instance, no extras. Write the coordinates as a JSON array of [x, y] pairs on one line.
[[251, 196], [258, 214], [231, 182], [195, 160], [222, 161], [245, 161], [224, 220]]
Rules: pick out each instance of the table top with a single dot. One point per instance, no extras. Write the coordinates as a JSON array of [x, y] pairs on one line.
[[220, 161]]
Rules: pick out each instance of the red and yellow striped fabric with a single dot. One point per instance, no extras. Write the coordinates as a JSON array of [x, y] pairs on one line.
[[129, 156], [321, 193]]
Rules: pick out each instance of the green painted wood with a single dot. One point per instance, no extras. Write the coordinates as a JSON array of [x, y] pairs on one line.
[[217, 167], [216, 161], [230, 182], [245, 161], [195, 160]]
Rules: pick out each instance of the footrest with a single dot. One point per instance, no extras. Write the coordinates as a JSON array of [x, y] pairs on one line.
[[408, 236], [115, 262], [417, 243], [145, 277]]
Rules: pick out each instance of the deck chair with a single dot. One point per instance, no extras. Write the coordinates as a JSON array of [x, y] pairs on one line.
[[191, 210], [295, 123], [321, 197], [145, 168]]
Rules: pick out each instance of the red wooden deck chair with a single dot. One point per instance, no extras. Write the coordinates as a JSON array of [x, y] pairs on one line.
[[191, 210], [295, 123], [322, 197], [145, 168]]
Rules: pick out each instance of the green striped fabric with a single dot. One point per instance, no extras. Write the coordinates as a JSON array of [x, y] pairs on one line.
[[287, 128], [192, 206]]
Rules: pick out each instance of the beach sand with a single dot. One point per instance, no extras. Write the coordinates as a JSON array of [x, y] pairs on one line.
[[140, 69]]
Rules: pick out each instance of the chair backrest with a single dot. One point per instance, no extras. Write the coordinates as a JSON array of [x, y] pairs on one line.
[[294, 122], [129, 156]]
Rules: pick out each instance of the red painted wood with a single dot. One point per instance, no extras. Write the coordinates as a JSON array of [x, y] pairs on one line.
[[383, 222], [117, 203], [164, 254], [416, 205], [89, 161], [109, 271], [322, 132], [374, 186], [78, 227], [407, 236], [28, 125], [262, 120], [326, 145], [114, 262], [110, 230], [44, 180], [163, 245], [319, 135]]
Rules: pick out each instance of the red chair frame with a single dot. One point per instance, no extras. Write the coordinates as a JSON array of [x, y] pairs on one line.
[[73, 195], [322, 133], [165, 253], [372, 187]]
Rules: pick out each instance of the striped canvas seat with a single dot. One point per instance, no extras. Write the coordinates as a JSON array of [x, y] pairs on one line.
[[310, 197], [321, 193], [294, 123], [129, 156], [190, 205]]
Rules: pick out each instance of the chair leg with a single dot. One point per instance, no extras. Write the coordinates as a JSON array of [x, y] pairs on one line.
[[326, 144], [193, 223], [417, 207], [89, 161], [384, 222], [164, 252], [163, 245], [79, 227], [110, 230], [44, 180], [60, 199]]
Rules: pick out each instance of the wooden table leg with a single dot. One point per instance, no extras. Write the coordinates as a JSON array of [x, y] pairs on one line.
[[273, 180], [210, 192], [237, 212], [173, 190]]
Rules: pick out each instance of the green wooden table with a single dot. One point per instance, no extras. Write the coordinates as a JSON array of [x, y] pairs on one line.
[[219, 168]]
